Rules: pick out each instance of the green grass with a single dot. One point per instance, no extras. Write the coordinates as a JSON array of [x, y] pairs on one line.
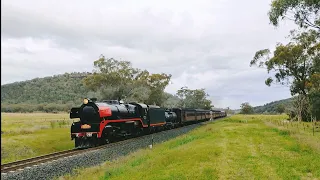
[[238, 147], [301, 131], [26, 135]]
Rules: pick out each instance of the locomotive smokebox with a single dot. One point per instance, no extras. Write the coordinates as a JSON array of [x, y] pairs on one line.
[[170, 116]]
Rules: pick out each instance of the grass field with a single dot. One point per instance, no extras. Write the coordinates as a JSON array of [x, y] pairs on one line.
[[25, 135], [304, 132], [238, 147]]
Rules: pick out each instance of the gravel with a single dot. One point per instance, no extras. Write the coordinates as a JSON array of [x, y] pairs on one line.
[[63, 166]]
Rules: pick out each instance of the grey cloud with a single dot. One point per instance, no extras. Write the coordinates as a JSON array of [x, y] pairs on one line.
[[231, 88], [201, 43]]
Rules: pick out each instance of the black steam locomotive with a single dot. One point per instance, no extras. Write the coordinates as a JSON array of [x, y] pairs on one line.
[[110, 120]]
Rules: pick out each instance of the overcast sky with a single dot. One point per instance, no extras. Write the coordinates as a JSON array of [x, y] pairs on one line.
[[203, 43]]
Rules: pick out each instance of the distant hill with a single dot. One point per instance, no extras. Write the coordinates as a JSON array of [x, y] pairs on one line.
[[60, 89], [60, 92], [52, 93], [272, 106]]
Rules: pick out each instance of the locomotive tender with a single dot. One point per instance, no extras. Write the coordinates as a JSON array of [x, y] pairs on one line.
[[106, 121]]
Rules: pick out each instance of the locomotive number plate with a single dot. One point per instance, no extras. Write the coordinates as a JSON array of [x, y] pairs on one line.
[[85, 126]]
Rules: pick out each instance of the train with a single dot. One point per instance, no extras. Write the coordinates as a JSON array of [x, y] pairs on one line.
[[106, 121]]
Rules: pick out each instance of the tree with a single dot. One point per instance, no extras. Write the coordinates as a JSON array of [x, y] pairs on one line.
[[246, 108], [297, 63], [305, 13], [115, 79], [138, 94], [292, 113], [280, 108], [157, 83], [119, 80], [313, 86], [193, 98], [314, 98], [170, 101], [293, 63]]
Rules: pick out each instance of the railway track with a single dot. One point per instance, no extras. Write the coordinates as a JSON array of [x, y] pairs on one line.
[[13, 166], [35, 161]]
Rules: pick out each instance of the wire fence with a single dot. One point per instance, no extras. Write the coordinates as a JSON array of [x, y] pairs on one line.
[[311, 127]]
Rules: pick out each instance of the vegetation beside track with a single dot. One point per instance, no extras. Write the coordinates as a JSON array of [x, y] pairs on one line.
[[26, 135], [238, 147]]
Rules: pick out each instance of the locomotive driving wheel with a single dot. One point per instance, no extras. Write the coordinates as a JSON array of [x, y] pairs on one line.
[[139, 132]]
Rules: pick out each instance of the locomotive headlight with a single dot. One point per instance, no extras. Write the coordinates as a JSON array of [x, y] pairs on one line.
[[85, 101]]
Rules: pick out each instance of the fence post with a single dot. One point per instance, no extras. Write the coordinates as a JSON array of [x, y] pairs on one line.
[[313, 124]]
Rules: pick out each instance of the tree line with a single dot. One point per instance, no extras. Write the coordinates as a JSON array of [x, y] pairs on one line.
[[278, 108], [114, 79], [29, 108], [111, 79]]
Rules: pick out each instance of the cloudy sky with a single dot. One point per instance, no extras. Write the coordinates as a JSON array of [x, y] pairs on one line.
[[203, 43]]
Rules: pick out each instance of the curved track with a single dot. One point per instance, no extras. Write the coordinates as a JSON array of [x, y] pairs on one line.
[[36, 160], [20, 165]]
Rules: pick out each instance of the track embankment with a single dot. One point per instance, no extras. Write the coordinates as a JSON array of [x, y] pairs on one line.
[[61, 164]]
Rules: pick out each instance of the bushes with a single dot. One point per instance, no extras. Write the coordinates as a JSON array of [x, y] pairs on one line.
[[29, 108]]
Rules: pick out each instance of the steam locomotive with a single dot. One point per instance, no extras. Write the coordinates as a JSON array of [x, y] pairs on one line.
[[110, 120]]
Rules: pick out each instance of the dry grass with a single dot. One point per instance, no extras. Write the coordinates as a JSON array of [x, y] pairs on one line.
[[26, 135], [304, 132]]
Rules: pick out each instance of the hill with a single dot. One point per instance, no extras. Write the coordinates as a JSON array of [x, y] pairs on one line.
[[272, 106], [60, 92], [62, 89], [52, 93], [49, 94]]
